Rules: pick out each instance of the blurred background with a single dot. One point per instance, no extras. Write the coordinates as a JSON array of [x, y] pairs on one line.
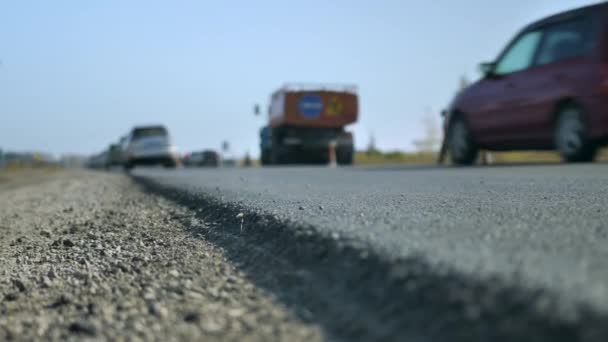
[[75, 76]]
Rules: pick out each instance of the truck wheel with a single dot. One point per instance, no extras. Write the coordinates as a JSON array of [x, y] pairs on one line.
[[170, 164], [571, 138], [345, 156], [275, 156], [265, 157], [460, 143], [280, 155]]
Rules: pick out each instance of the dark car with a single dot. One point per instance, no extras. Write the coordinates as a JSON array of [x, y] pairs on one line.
[[547, 90], [205, 158], [114, 156]]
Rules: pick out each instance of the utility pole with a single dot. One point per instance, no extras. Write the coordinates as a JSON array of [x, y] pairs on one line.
[[371, 147]]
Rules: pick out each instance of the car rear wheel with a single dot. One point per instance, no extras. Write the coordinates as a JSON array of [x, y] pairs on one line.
[[571, 137], [461, 146]]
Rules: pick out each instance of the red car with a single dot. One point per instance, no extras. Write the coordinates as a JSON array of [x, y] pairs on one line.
[[547, 90]]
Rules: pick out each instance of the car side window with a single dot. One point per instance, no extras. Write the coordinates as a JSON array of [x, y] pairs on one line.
[[563, 41], [520, 54]]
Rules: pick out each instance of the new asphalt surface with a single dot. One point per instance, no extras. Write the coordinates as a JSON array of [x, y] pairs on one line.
[[531, 227]]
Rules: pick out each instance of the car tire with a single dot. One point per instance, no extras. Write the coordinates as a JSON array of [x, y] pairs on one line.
[[461, 145], [345, 156], [571, 138], [128, 167]]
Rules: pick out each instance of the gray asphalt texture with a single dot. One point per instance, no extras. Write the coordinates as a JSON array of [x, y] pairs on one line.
[[535, 226]]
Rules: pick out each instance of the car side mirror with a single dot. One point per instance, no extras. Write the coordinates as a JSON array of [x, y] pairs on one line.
[[487, 69]]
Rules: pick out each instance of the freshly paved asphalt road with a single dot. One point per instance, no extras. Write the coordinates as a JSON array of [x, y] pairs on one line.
[[537, 226]]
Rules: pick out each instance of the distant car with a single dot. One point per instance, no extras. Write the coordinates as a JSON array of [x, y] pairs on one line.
[[547, 90], [205, 158], [150, 145], [229, 163], [114, 156], [98, 161]]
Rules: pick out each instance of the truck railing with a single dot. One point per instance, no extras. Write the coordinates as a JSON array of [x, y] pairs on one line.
[[347, 88]]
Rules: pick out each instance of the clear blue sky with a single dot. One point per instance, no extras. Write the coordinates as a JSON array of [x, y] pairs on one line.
[[75, 75]]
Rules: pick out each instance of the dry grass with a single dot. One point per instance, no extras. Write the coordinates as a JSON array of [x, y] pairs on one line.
[[363, 158], [413, 158], [15, 177], [13, 170]]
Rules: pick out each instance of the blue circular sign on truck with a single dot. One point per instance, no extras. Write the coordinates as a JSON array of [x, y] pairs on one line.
[[310, 106]]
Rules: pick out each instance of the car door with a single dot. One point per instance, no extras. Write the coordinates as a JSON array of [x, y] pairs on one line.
[[561, 64], [511, 80]]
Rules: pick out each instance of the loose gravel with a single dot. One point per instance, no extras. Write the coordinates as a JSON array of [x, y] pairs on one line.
[[89, 256]]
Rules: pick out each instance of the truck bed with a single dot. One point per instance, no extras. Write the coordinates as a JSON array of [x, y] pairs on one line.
[[313, 108]]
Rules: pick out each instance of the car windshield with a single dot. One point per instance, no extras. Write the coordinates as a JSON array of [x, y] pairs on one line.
[[149, 131]]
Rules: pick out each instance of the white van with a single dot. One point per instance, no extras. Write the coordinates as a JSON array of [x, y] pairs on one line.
[[150, 145]]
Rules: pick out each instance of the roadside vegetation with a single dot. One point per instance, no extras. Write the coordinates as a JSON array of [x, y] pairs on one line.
[[377, 157]]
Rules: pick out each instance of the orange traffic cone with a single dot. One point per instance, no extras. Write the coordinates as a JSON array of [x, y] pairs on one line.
[[332, 154]]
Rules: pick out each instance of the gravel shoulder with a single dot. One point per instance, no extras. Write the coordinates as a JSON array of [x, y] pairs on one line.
[[88, 255]]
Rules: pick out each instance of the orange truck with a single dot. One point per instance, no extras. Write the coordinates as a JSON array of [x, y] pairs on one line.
[[306, 121]]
